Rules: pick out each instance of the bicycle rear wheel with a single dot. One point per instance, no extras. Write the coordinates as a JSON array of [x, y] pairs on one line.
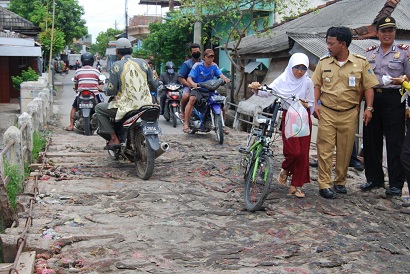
[[257, 187]]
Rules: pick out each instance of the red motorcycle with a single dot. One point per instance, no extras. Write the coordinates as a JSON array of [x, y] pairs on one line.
[[172, 102]]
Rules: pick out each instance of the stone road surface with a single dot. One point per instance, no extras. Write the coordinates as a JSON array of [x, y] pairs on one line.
[[95, 216]]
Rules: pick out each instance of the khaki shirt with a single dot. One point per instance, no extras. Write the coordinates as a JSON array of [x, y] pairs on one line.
[[341, 86], [395, 62]]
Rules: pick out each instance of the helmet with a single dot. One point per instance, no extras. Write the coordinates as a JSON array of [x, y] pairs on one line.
[[123, 43], [87, 59], [169, 65]]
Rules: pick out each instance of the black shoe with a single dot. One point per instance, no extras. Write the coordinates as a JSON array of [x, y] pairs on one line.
[[340, 189], [327, 193], [393, 191], [369, 186], [357, 166], [313, 164]]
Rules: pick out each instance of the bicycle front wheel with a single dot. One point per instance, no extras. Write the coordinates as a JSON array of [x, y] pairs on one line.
[[258, 182]]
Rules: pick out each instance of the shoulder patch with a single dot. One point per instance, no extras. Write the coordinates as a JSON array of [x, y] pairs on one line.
[[359, 56], [403, 46], [371, 48], [324, 57]]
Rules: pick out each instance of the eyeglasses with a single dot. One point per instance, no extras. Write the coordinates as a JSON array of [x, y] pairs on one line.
[[300, 68]]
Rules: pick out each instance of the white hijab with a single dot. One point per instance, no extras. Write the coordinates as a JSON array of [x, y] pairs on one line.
[[287, 84]]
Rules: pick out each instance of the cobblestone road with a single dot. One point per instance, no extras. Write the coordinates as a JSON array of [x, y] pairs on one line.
[[95, 216]]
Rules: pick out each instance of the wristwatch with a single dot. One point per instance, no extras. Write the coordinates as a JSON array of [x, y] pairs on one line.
[[371, 109]]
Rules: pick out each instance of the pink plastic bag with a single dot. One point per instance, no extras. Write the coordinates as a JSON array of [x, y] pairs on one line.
[[297, 121]]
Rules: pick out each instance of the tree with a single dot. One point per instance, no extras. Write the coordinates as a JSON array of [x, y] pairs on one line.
[[68, 15], [166, 42], [101, 42], [58, 41], [225, 21]]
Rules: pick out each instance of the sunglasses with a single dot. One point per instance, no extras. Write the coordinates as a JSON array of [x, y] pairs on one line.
[[300, 68]]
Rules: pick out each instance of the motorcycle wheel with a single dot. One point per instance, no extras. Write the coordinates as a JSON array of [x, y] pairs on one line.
[[87, 126], [219, 128], [174, 116], [145, 156]]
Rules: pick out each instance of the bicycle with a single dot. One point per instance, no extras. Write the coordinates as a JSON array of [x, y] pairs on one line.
[[258, 161]]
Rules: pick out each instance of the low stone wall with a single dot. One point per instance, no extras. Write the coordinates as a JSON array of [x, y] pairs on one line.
[[18, 141]]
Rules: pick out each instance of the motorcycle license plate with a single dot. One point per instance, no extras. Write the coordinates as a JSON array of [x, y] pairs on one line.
[[174, 93], [90, 105], [151, 128], [218, 98]]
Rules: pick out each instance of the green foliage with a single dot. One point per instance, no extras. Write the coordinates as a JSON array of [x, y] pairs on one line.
[[58, 40], [15, 185], [167, 41], [39, 143], [26, 75], [68, 15], [101, 42]]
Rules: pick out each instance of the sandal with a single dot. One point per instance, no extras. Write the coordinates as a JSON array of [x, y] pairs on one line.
[[297, 193], [226, 132], [181, 116], [283, 177], [69, 128], [187, 130]]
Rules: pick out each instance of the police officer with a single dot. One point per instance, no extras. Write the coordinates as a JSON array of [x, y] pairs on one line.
[[167, 77], [387, 60], [341, 79]]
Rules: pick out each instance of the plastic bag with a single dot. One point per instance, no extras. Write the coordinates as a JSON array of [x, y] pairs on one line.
[[297, 121]]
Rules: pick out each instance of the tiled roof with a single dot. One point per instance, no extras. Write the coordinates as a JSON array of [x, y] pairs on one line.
[[9, 19]]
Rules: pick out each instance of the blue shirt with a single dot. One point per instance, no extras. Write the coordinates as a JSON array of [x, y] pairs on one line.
[[199, 73], [186, 68]]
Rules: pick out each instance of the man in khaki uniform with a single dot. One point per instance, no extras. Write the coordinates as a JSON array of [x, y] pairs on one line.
[[341, 80]]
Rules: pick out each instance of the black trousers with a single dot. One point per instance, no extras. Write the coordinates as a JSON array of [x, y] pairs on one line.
[[405, 158], [388, 121]]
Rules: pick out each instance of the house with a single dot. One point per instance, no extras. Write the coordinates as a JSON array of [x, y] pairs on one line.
[[307, 33], [18, 51]]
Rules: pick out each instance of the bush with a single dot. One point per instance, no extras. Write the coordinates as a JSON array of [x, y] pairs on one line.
[[39, 143], [15, 185], [26, 75]]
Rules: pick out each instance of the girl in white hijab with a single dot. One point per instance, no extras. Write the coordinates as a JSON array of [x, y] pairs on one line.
[[295, 81]]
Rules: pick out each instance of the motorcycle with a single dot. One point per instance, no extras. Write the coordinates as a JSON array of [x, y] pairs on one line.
[[99, 67], [138, 132], [85, 118], [172, 102], [207, 112]]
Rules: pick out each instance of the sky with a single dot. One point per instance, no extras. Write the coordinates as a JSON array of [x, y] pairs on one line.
[[101, 15]]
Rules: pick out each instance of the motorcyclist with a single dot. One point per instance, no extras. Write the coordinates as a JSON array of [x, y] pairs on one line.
[[167, 77], [98, 66], [129, 82], [86, 78], [201, 72]]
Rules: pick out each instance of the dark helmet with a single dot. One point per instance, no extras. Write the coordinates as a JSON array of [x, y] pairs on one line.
[[169, 65], [87, 59]]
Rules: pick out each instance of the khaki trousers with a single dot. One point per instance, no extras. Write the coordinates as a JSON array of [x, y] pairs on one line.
[[335, 129]]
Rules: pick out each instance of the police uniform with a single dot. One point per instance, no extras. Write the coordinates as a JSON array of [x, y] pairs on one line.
[[389, 114], [341, 87]]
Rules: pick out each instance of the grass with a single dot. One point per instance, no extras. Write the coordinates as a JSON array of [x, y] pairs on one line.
[[39, 143]]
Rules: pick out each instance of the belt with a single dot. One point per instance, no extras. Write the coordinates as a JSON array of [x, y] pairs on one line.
[[338, 110], [381, 90]]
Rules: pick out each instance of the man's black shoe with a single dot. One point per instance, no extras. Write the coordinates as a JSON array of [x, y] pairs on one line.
[[340, 189], [393, 191], [313, 164], [327, 193], [357, 166], [369, 186]]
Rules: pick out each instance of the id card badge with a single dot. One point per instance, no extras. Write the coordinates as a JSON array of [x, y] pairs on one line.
[[352, 81]]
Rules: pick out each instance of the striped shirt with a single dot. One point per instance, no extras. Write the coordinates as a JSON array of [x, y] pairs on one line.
[[87, 78]]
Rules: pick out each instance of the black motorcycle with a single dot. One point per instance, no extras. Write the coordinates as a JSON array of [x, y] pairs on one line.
[[138, 132]]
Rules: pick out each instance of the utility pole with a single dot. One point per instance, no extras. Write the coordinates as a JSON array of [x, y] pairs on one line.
[[51, 44], [126, 18]]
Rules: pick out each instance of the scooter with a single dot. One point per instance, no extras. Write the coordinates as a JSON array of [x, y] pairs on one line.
[[138, 132], [207, 112], [172, 102]]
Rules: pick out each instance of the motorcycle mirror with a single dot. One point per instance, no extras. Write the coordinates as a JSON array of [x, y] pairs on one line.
[[102, 78]]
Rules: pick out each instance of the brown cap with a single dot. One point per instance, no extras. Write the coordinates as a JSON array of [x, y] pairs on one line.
[[386, 22], [209, 52]]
